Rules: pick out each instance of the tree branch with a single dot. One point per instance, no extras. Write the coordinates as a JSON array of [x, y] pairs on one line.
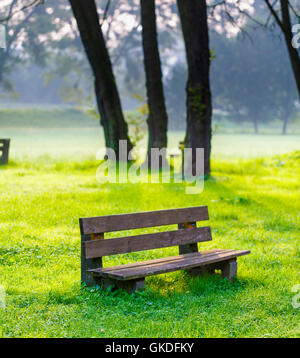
[[106, 11], [274, 13], [293, 10], [25, 7]]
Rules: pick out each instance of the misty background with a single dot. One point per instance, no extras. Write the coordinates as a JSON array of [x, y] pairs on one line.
[[47, 81]]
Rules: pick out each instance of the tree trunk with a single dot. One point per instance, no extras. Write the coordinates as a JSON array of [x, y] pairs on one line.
[[193, 16], [108, 100], [288, 35], [285, 115], [286, 27], [255, 123], [285, 123], [157, 120]]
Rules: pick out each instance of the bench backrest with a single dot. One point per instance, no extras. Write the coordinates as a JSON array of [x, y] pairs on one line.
[[186, 237]]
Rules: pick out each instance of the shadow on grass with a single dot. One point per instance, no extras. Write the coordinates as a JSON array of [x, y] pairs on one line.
[[11, 164], [171, 288]]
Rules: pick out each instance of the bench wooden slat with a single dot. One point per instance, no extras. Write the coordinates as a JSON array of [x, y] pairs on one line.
[[98, 248], [187, 261], [160, 260], [163, 261], [110, 223]]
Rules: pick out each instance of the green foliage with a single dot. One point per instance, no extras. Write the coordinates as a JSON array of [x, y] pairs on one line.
[[33, 36], [137, 121], [91, 108], [253, 204], [196, 99], [137, 126], [216, 128], [213, 55]]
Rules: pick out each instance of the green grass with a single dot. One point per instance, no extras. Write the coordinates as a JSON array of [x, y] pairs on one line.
[[69, 144], [253, 204]]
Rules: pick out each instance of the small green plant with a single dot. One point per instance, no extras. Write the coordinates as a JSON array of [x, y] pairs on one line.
[[136, 121], [91, 108], [216, 128], [136, 125], [196, 99]]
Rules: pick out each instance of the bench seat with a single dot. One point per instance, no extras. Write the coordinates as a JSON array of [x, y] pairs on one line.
[[168, 264], [188, 237]]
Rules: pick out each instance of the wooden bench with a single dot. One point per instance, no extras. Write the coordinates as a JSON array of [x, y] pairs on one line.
[[4, 149], [132, 276]]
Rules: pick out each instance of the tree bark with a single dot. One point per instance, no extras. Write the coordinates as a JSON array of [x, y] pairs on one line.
[[107, 95], [286, 27], [285, 115], [157, 120], [288, 35], [255, 123], [285, 123], [193, 16]]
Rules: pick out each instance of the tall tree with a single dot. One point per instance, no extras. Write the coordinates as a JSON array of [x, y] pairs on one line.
[[107, 95], [193, 16], [158, 119], [285, 24]]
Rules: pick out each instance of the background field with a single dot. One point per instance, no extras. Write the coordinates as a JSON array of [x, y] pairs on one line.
[[71, 134], [253, 200]]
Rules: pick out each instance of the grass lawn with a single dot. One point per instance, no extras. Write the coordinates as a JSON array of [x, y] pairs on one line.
[[68, 134], [253, 204], [80, 144]]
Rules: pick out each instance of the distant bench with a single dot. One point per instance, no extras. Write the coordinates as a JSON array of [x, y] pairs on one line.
[[132, 276], [4, 149]]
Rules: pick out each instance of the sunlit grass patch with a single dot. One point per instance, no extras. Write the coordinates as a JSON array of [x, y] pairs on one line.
[[253, 204]]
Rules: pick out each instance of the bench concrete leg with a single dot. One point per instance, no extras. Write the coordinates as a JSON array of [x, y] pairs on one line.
[[130, 285], [229, 270]]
